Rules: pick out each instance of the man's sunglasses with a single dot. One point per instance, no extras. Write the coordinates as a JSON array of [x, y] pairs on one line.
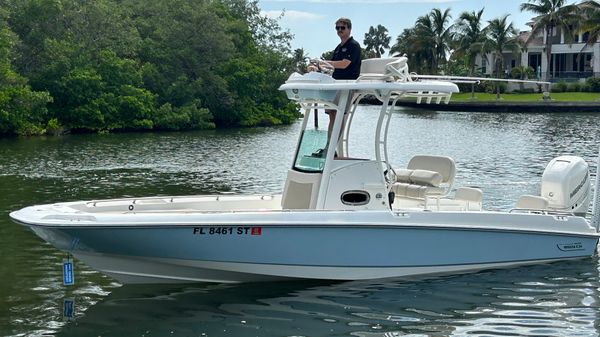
[[340, 27]]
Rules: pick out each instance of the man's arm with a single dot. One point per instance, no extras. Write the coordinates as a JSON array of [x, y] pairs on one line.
[[354, 57], [341, 64]]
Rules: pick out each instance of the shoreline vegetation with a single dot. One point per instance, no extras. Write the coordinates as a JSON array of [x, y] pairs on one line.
[[128, 65]]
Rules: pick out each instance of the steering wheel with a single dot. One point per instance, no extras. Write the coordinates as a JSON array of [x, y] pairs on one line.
[[322, 66]]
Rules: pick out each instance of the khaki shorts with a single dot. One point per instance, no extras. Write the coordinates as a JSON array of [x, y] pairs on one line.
[[336, 101]]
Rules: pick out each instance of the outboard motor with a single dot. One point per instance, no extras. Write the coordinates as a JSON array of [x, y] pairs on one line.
[[566, 185]]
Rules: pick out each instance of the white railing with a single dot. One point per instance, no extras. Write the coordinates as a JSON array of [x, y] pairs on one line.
[[596, 204]]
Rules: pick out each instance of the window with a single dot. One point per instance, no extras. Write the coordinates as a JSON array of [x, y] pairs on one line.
[[535, 62], [311, 153]]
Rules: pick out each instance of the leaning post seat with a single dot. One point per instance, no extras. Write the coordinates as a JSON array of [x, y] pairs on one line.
[[424, 176], [417, 183]]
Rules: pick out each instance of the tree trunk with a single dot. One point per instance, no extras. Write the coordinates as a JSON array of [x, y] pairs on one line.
[[498, 69], [472, 64], [548, 53]]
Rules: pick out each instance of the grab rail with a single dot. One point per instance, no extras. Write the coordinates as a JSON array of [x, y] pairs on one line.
[[540, 211]]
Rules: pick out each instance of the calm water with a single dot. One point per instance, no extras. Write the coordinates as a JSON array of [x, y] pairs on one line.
[[503, 154]]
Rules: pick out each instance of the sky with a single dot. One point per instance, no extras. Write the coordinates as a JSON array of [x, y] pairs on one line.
[[312, 22]]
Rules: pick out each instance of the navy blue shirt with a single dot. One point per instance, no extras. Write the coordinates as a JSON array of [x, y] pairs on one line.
[[349, 51]]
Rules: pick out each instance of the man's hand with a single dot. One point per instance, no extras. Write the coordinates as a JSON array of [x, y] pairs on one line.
[[321, 66]]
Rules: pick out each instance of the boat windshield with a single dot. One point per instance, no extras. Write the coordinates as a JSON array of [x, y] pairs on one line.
[[311, 151]]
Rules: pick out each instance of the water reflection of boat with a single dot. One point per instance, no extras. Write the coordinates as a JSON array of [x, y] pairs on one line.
[[339, 218], [490, 303]]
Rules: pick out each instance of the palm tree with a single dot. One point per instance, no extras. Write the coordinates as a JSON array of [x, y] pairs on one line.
[[470, 37], [377, 40], [442, 34], [522, 73], [435, 36], [408, 43], [423, 42], [501, 36], [551, 15], [591, 21], [300, 60], [427, 42]]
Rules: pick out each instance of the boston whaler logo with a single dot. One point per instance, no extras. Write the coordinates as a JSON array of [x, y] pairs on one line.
[[578, 187], [569, 247]]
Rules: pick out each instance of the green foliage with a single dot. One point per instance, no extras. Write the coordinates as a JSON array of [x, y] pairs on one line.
[[469, 38], [22, 110], [188, 117], [574, 87], [53, 127], [585, 87], [136, 65], [502, 36], [559, 87], [458, 68], [377, 40], [522, 72], [328, 55], [593, 84], [300, 60], [491, 87], [427, 43], [552, 16], [415, 45]]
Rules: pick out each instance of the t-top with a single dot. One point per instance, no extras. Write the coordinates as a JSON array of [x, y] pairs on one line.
[[349, 51]]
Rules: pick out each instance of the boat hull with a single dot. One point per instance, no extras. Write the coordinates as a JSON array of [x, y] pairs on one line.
[[317, 245], [132, 270]]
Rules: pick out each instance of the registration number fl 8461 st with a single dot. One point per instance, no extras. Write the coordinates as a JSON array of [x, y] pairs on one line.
[[223, 230]]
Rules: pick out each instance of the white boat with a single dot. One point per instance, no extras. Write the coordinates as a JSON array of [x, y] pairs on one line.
[[339, 217]]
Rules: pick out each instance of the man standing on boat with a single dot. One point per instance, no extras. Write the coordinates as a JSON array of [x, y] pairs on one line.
[[345, 61], [346, 56]]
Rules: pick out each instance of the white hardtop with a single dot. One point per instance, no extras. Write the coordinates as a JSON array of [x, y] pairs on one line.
[[320, 81]]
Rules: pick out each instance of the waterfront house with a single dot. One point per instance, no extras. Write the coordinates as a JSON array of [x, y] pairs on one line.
[[571, 60]]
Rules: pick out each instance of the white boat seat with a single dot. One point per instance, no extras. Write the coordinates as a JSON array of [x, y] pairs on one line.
[[419, 177], [442, 164], [424, 176], [473, 198], [532, 202], [416, 191], [465, 199], [469, 194]]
